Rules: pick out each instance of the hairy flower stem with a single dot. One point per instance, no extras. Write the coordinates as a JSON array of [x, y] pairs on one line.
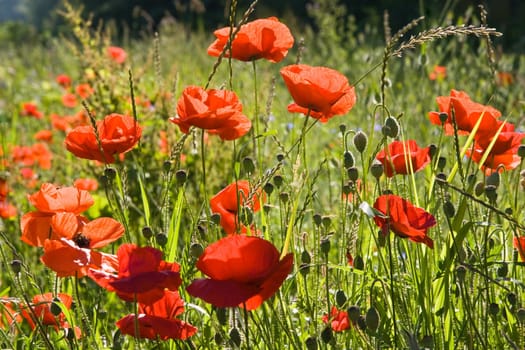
[[392, 290]]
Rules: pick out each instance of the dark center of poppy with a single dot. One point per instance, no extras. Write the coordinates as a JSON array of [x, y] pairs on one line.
[[81, 240]]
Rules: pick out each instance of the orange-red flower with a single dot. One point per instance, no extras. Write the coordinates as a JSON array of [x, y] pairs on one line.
[[519, 244], [263, 38], [438, 73], [36, 226], [142, 275], [217, 111], [84, 90], [117, 133], [503, 154], [44, 135], [158, 320], [7, 210], [42, 310], [86, 184], [243, 270], [66, 123], [399, 156], [229, 201], [31, 109], [338, 320], [404, 219], [63, 80], [466, 114], [319, 92], [69, 100], [117, 54]]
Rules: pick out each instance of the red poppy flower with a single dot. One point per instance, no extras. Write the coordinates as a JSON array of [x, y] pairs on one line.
[[42, 310], [118, 134], [319, 92], [158, 320], [66, 123], [396, 159], [84, 90], [243, 270], [438, 73], [31, 109], [338, 320], [263, 38], [466, 114], [117, 54], [9, 314], [44, 135], [228, 201], [7, 210], [69, 100], [519, 244], [404, 219], [63, 80], [36, 226], [504, 151], [86, 184], [141, 273], [217, 111]]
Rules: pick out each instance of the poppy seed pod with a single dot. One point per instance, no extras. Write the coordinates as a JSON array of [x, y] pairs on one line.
[[353, 173], [354, 312], [16, 266], [340, 298], [449, 209], [391, 127], [493, 309], [327, 335], [54, 307], [359, 263], [493, 179], [311, 343], [147, 232], [360, 141], [305, 257], [196, 250], [235, 337], [348, 159], [248, 165], [372, 319], [161, 238], [325, 245], [268, 188], [503, 270], [376, 169], [181, 177]]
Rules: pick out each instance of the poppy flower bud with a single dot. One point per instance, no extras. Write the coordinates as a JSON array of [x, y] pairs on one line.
[[511, 298], [166, 166], [248, 165], [448, 209], [372, 319], [360, 141], [16, 266], [305, 257], [235, 337], [353, 173], [218, 338], [521, 315], [391, 127], [490, 192], [284, 197], [359, 263], [354, 312], [54, 307], [503, 270], [222, 315], [376, 169], [147, 232], [427, 341], [161, 238], [268, 188], [442, 161], [348, 159], [327, 221], [318, 219], [215, 218], [493, 309], [340, 298], [325, 245], [493, 179], [181, 177], [461, 271], [196, 250], [327, 335], [521, 151], [246, 215], [266, 208], [432, 150], [110, 173], [443, 117], [311, 343], [479, 189], [277, 180], [304, 269]]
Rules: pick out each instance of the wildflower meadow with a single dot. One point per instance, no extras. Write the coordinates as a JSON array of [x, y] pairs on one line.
[[263, 186]]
